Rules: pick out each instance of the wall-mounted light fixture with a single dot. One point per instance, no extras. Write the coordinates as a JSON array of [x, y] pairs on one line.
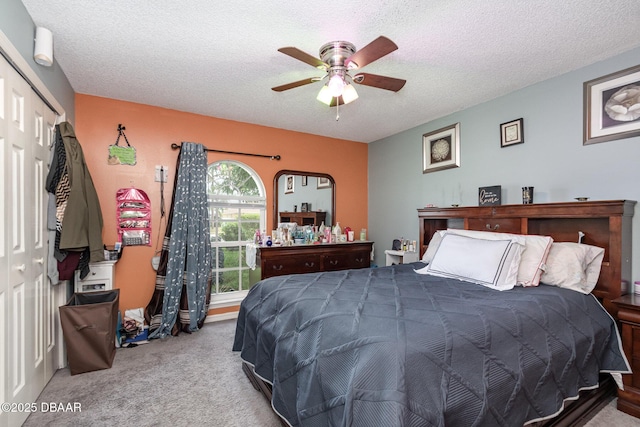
[[43, 51]]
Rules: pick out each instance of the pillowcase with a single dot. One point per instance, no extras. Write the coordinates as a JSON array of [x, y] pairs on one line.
[[491, 263], [534, 255], [573, 266], [433, 246]]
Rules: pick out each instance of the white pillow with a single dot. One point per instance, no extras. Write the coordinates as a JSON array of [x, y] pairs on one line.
[[491, 263], [534, 255], [433, 246], [573, 266]]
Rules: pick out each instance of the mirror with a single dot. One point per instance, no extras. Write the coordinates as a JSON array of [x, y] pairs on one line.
[[313, 191]]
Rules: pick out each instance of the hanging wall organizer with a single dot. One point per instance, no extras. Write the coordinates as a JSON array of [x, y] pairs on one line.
[[133, 217]]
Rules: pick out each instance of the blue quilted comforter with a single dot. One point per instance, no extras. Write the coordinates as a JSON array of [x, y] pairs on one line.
[[389, 347]]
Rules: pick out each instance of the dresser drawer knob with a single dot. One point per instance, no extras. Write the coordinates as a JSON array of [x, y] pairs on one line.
[[495, 227]]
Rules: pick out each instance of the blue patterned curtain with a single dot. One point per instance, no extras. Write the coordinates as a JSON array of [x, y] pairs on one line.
[[188, 255]]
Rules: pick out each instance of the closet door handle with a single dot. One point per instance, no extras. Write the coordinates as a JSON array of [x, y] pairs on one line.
[[20, 267], [38, 260]]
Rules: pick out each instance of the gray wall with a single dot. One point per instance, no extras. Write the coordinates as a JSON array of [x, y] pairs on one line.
[[20, 29], [320, 198], [552, 158]]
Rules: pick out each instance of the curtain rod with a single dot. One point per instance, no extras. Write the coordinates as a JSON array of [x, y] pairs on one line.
[[276, 157]]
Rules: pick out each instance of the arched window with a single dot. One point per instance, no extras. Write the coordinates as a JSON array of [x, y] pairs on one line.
[[237, 208]]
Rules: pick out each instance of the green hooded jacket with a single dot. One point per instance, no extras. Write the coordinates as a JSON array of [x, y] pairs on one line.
[[82, 222]]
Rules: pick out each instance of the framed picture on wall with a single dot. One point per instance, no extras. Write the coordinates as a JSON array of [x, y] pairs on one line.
[[511, 133], [441, 149], [323, 182], [304, 180], [612, 106], [288, 184]]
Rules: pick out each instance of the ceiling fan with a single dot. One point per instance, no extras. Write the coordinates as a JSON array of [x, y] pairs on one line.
[[338, 59]]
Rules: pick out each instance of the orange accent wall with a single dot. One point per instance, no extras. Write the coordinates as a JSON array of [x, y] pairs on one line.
[[152, 130]]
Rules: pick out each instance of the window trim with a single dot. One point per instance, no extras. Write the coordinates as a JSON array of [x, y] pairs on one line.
[[230, 299]]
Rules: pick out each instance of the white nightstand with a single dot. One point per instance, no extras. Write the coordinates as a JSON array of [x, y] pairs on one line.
[[400, 257], [100, 278]]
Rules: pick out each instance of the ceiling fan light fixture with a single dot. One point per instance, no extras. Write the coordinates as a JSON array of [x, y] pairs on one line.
[[349, 94], [336, 85], [324, 95], [338, 59]]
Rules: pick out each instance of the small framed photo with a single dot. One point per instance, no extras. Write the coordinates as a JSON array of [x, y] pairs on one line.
[[304, 207], [324, 182], [304, 180], [511, 133], [612, 106], [289, 181], [441, 149]]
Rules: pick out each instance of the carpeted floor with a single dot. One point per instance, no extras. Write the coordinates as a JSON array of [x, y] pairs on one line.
[[186, 380], [192, 379]]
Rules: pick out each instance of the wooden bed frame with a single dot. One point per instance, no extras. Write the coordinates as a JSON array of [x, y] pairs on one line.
[[606, 224]]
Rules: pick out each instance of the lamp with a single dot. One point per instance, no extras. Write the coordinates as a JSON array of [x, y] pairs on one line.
[[324, 95], [349, 93], [43, 50]]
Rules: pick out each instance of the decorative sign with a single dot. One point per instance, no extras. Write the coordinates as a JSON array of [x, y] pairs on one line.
[[488, 196], [121, 155]]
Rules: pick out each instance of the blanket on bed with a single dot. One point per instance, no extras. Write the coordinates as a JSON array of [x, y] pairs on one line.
[[390, 347]]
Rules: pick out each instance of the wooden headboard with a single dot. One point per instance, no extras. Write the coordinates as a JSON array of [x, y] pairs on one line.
[[606, 224]]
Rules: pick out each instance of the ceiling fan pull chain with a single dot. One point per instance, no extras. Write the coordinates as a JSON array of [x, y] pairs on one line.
[[337, 109]]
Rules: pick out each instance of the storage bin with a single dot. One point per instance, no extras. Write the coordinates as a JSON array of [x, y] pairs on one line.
[[89, 321]]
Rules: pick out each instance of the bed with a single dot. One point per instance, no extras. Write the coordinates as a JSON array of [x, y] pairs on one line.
[[393, 347]]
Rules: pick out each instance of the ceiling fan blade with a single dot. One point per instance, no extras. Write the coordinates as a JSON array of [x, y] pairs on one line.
[[381, 82], [296, 84], [371, 52], [296, 53]]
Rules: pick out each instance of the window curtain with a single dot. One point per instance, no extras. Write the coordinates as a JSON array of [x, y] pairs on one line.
[[183, 281]]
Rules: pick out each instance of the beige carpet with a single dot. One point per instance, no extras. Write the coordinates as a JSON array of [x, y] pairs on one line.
[[609, 416]]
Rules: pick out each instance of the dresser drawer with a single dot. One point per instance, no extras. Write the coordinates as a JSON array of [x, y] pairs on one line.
[[100, 278], [498, 225], [99, 272], [291, 264], [346, 260], [281, 260]]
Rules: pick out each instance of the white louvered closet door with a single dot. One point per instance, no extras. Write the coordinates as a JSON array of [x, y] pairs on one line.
[[26, 303]]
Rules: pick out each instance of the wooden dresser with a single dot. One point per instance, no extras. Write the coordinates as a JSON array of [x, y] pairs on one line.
[[304, 218], [629, 316], [281, 260], [606, 224]]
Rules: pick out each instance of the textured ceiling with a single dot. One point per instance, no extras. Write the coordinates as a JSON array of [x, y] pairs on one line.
[[220, 58]]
